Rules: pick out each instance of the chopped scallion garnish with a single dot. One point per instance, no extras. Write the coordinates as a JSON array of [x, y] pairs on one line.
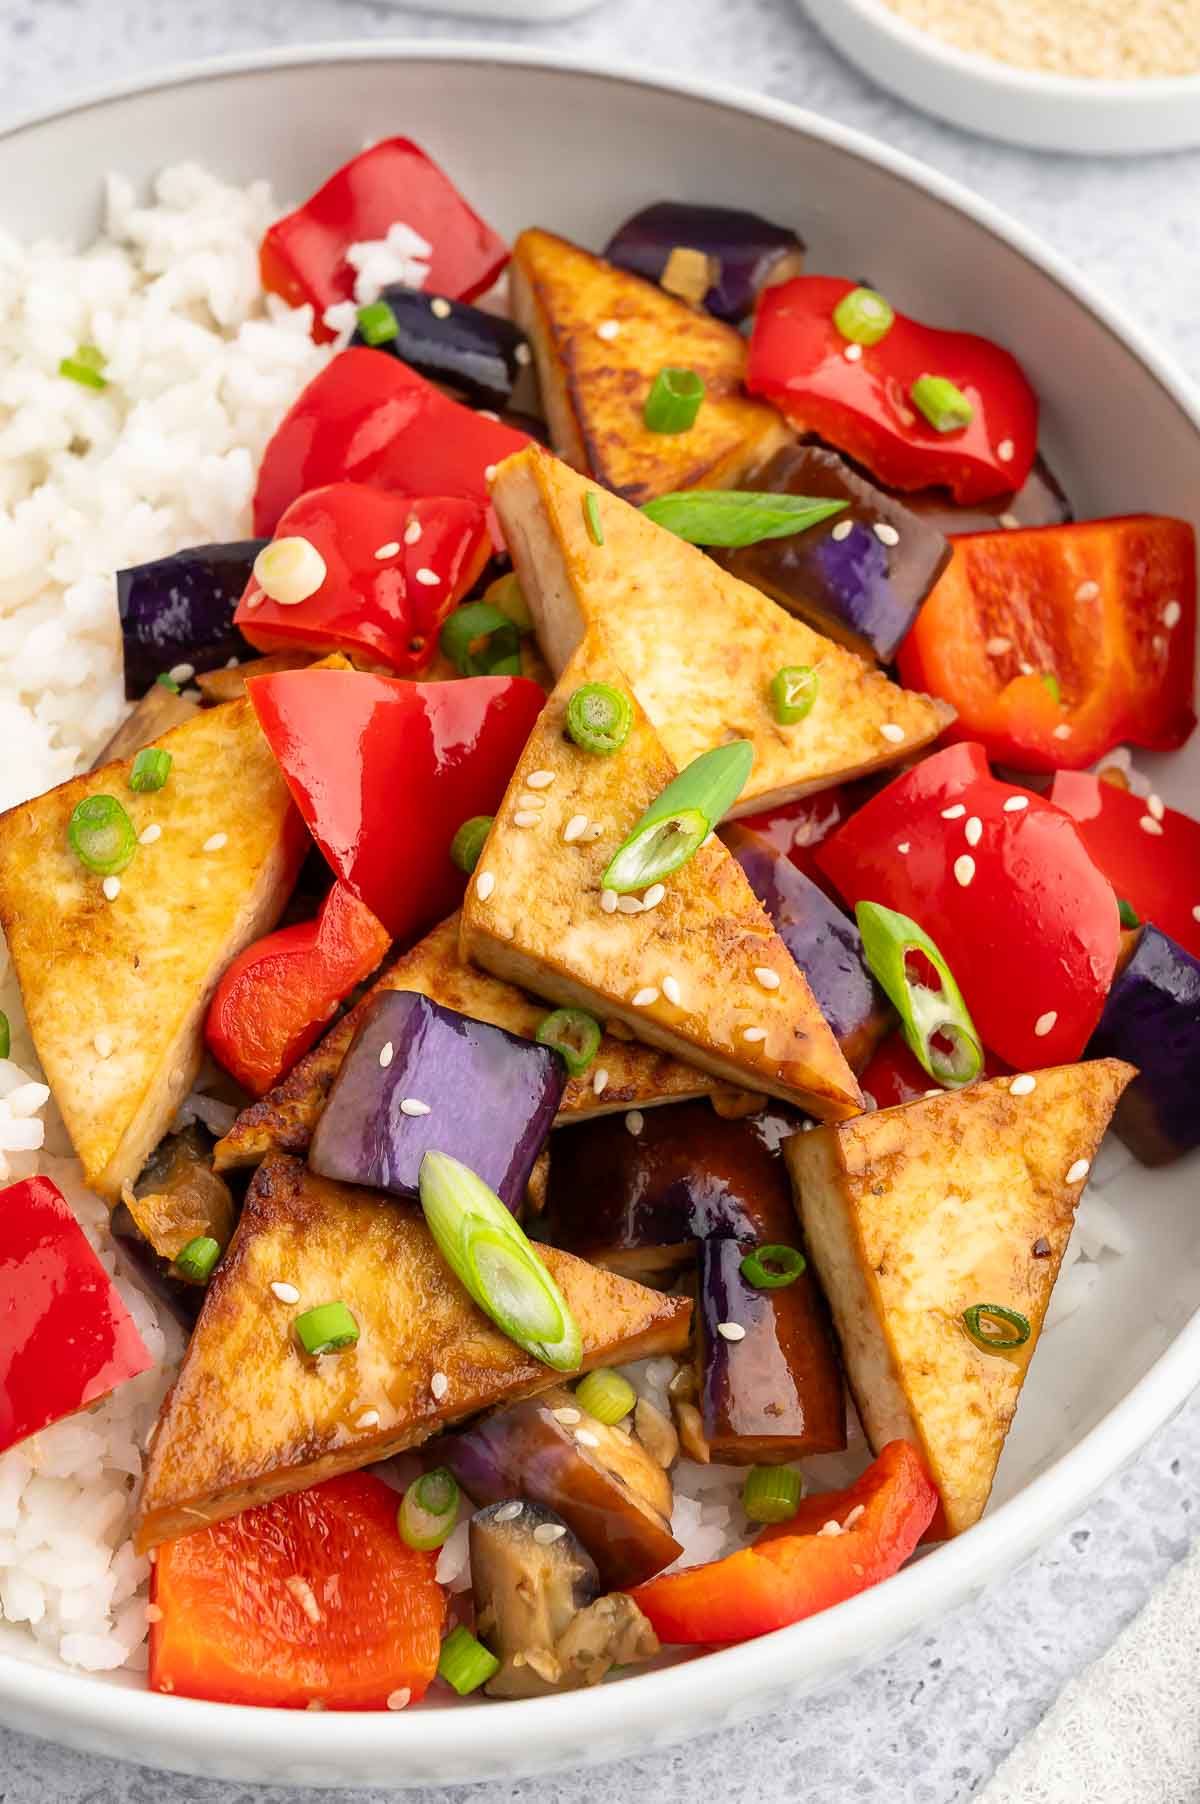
[[429, 1510], [773, 1267], [468, 842], [326, 1329], [675, 826], [994, 1339], [1130, 917], [933, 1016], [591, 517], [86, 367], [729, 519], [599, 718], [674, 401], [863, 316], [943, 404], [772, 1493], [5, 1036], [377, 323], [606, 1396], [574, 1035], [101, 835], [465, 1663], [198, 1259], [1051, 684], [151, 768], [165, 681], [481, 641], [794, 689]]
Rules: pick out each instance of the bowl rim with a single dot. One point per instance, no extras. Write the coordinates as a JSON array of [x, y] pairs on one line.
[[957, 64], [635, 1714]]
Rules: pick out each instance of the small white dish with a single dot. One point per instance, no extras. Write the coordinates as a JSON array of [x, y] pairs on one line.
[[1022, 106]]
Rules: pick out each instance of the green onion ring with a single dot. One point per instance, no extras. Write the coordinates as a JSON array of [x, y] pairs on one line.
[[773, 1267], [468, 842], [674, 401], [428, 1510], [101, 835], [599, 718], [574, 1035], [480, 620], [992, 1343]]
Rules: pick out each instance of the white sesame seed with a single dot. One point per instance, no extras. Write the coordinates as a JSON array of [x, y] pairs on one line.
[[508, 1512], [412, 532], [305, 1596], [608, 901], [540, 779], [586, 1438], [286, 1293], [1025, 668], [440, 309], [1015, 804], [182, 673], [485, 413], [629, 905], [1079, 1171], [1155, 806], [568, 1417], [526, 817], [852, 353], [546, 1533], [608, 329], [600, 1081], [368, 1419], [1087, 591], [387, 1053], [1045, 1023], [654, 895], [860, 1509], [149, 834], [997, 647], [1006, 450], [532, 801], [1172, 614], [831, 1529], [428, 577], [904, 846], [731, 1331], [104, 1045], [964, 869], [522, 353], [885, 533], [955, 811], [891, 732], [485, 883], [643, 998], [769, 979], [973, 831], [1023, 1085], [216, 842], [1009, 522], [671, 990], [439, 1384], [153, 1613], [754, 1034], [399, 1700], [112, 888], [1148, 824], [411, 1105], [1196, 911], [842, 530], [489, 472], [1062, 730], [388, 550], [575, 828], [635, 1121]]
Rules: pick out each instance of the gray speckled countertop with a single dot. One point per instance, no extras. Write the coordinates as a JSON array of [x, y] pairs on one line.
[[929, 1724]]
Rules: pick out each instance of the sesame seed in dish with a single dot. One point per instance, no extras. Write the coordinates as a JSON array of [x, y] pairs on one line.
[[429, 578], [599, 1080], [886, 533], [1022, 1085], [286, 1293], [149, 834], [111, 888], [412, 533], [731, 1331], [411, 1105], [892, 732], [389, 550], [439, 1384], [1045, 1023], [485, 883], [842, 530], [216, 842]]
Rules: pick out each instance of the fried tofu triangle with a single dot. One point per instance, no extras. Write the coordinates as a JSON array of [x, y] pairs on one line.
[[701, 973], [250, 1417], [699, 647], [920, 1212]]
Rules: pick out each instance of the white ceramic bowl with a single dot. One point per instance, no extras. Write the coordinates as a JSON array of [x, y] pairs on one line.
[[1001, 100], [537, 140]]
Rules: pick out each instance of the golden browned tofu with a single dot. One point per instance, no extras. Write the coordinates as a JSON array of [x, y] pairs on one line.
[[920, 1212], [600, 336], [251, 1417], [630, 1076], [115, 987], [701, 973], [699, 647]]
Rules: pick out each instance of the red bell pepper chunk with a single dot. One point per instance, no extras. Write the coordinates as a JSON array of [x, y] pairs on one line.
[[800, 361], [310, 1599], [893, 1075], [277, 996], [797, 828], [369, 418], [794, 1570], [303, 256], [385, 772], [395, 567], [1059, 642], [1026, 922], [66, 1338], [1152, 860]]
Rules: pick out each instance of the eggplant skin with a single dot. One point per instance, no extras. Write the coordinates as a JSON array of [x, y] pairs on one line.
[[179, 610], [460, 346], [1152, 1019], [745, 252]]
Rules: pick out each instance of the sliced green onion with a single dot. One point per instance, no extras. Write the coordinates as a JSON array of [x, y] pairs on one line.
[[507, 594], [468, 842], [151, 768], [864, 316], [429, 1510], [491, 1257], [101, 835], [772, 1493], [5, 1036], [480, 621], [606, 1396], [86, 367], [574, 1034], [168, 682], [1051, 683], [198, 1259], [675, 826], [935, 1022], [377, 323], [794, 689], [1126, 910], [732, 518], [975, 1317], [326, 1329], [591, 517], [465, 1663], [599, 718], [674, 401], [773, 1267], [943, 404]]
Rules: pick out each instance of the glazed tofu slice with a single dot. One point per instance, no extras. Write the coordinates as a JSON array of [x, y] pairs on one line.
[[700, 973], [630, 1076], [115, 985], [917, 1213], [600, 336], [251, 1417], [699, 647]]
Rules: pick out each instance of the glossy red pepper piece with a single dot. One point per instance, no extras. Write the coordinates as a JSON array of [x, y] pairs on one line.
[[303, 256], [384, 773], [794, 1570], [1026, 922], [1059, 642], [276, 998], [1151, 859], [380, 552], [66, 1338], [860, 404], [369, 418], [797, 828], [893, 1075]]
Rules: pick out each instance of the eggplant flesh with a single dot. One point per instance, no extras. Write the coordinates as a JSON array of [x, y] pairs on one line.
[[159, 710], [824, 942], [1040, 501], [841, 576], [421, 1078], [179, 1197], [182, 1299], [729, 256], [477, 354], [1152, 1019], [179, 610]]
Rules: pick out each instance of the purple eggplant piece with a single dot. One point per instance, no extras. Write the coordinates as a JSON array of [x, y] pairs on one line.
[[841, 576], [1152, 1019], [490, 1099], [745, 252], [824, 942], [475, 353], [179, 610], [1041, 502], [182, 1299]]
